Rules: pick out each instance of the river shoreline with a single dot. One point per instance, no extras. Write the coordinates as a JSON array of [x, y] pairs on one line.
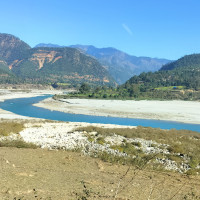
[[6, 94], [6, 115], [177, 111]]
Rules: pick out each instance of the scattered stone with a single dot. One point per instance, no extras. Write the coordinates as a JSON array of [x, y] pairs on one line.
[[62, 136]]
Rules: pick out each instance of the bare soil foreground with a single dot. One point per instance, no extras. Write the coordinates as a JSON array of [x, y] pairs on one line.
[[61, 175], [133, 163], [60, 170], [181, 111]]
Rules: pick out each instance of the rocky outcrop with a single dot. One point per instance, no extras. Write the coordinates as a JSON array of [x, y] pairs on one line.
[[45, 55]]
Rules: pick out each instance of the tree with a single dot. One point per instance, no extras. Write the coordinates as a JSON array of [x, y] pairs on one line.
[[84, 88]]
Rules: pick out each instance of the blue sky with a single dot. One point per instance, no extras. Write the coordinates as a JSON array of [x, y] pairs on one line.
[[156, 28]]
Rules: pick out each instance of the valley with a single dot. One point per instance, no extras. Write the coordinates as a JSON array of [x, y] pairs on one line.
[[99, 100], [80, 159]]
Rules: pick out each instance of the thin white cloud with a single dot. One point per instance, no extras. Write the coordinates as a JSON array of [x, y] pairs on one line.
[[127, 29]]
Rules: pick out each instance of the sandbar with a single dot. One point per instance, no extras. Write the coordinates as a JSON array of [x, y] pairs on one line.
[[177, 110]]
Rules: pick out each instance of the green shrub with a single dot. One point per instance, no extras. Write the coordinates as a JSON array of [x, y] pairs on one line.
[[117, 147], [129, 148], [100, 140], [176, 148], [138, 144], [90, 139]]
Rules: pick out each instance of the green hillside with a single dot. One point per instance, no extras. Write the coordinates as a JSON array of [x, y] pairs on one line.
[[177, 80], [189, 61], [4, 67], [61, 65], [12, 48], [120, 65], [64, 66], [6, 76]]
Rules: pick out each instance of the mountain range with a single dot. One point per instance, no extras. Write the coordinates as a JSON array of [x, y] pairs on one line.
[[58, 65], [120, 65], [51, 63], [19, 63], [177, 80], [182, 72]]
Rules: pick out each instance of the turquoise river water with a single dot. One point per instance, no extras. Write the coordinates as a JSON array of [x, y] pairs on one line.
[[23, 106]]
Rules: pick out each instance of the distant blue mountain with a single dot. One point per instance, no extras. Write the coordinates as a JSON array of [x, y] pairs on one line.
[[48, 45], [120, 65]]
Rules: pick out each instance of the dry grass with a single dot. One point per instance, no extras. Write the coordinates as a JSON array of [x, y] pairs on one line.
[[17, 144], [180, 141], [8, 128]]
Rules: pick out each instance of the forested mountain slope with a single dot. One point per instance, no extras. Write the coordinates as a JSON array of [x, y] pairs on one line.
[[22, 64], [177, 80], [120, 65]]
